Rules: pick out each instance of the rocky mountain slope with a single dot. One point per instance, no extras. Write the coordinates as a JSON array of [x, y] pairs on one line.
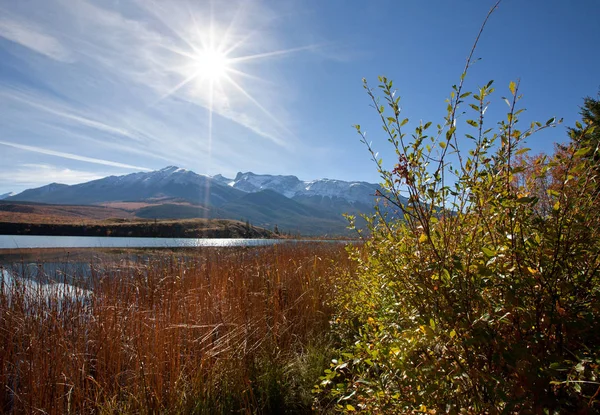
[[306, 207]]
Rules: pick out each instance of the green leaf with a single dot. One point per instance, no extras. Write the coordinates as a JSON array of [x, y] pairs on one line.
[[522, 151], [582, 151], [446, 274], [526, 199], [488, 252]]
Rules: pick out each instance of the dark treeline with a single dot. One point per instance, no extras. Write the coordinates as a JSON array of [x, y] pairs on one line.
[[165, 229]]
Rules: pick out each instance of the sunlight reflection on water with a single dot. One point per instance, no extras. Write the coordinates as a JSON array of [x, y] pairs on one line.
[[33, 241]]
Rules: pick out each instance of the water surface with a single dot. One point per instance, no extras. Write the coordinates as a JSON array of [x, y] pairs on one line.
[[34, 241]]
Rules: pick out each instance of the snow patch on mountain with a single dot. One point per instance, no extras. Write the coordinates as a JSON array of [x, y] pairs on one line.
[[5, 195], [162, 177], [291, 186]]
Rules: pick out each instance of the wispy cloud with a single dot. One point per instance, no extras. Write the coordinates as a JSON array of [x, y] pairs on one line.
[[60, 110], [71, 156], [31, 36], [155, 54], [29, 175], [119, 84]]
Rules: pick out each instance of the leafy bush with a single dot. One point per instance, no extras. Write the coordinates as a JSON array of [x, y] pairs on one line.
[[481, 294]]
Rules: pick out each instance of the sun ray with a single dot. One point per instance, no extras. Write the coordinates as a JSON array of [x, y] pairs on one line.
[[250, 76], [272, 54], [258, 104], [240, 42], [208, 67], [159, 16], [175, 89], [230, 27]]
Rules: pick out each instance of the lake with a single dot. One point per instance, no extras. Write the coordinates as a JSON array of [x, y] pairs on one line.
[[34, 241]]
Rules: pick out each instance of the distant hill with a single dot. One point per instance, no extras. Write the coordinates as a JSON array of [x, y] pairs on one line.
[[307, 207]]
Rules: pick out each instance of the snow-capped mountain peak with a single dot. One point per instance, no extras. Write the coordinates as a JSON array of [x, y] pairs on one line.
[[5, 195], [291, 186], [176, 182], [251, 182]]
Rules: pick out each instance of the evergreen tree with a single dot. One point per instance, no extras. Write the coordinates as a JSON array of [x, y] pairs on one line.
[[587, 134]]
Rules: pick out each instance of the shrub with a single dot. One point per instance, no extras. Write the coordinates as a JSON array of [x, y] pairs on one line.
[[478, 289]]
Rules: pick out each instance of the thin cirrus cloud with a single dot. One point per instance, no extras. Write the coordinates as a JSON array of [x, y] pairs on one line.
[[60, 111], [30, 36], [71, 156], [32, 174], [154, 53], [121, 75]]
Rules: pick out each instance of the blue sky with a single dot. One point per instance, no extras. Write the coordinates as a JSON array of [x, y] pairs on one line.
[[92, 88]]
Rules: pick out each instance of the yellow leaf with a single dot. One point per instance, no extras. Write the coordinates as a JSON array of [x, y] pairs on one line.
[[350, 408], [423, 238], [556, 205]]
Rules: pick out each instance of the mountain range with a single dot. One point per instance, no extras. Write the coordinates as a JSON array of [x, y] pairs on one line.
[[295, 206]]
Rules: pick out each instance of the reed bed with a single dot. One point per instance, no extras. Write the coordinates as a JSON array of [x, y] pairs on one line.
[[217, 330]]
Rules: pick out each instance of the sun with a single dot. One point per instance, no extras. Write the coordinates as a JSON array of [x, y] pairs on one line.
[[211, 60], [211, 65]]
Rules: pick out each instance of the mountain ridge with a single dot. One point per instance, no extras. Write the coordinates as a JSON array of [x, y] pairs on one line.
[[311, 207]]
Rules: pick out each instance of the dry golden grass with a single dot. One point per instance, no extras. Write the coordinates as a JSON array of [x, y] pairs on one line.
[[215, 331], [16, 212], [139, 205]]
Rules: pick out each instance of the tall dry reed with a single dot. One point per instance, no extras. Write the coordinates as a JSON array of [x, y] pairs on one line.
[[213, 331]]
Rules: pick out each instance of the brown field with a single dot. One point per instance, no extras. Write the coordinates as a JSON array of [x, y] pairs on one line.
[[139, 205], [78, 220], [59, 214], [205, 331]]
